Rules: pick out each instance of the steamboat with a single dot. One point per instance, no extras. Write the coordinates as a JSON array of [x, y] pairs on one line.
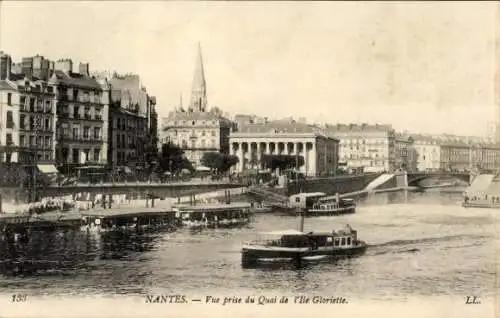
[[311, 202], [299, 246]]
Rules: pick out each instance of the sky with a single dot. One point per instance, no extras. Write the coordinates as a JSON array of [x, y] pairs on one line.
[[420, 66]]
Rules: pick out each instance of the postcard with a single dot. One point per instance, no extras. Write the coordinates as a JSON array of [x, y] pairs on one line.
[[241, 159]]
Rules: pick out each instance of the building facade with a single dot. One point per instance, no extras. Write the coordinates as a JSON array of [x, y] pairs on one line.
[[367, 147], [428, 152], [27, 120], [55, 115], [252, 141], [82, 104], [197, 130], [132, 121], [405, 153]]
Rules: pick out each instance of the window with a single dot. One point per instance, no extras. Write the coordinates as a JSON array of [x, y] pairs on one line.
[[47, 124], [86, 132], [337, 242], [87, 113], [213, 133], [297, 199], [75, 133], [8, 140], [22, 141], [348, 241], [47, 142], [10, 120], [39, 140], [87, 152], [343, 241], [76, 112], [48, 106], [32, 140], [22, 101], [9, 99], [97, 132], [203, 133], [50, 89], [193, 122], [97, 112], [96, 155]]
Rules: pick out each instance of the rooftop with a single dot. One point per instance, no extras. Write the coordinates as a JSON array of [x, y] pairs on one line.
[[76, 79], [358, 128]]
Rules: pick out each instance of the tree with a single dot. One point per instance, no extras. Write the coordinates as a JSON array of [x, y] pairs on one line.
[[282, 162], [172, 159], [218, 161]]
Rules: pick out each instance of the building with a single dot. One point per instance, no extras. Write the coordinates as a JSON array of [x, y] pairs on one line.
[[405, 154], [252, 141], [27, 120], [427, 151], [132, 121], [367, 147], [197, 130], [82, 104], [457, 156]]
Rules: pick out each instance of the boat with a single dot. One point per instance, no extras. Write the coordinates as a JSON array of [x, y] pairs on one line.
[[342, 206], [314, 207], [299, 246]]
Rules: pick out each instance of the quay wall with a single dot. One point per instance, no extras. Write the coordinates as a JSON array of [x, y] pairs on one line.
[[332, 185], [121, 200]]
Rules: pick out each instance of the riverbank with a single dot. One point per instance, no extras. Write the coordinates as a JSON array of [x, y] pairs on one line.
[[365, 192]]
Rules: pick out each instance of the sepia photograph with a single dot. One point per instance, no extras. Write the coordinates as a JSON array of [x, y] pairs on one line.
[[234, 158]]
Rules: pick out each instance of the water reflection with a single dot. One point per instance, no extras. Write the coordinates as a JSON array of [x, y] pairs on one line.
[[50, 250]]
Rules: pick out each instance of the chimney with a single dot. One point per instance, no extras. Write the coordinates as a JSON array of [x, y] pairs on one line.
[[83, 69], [65, 65]]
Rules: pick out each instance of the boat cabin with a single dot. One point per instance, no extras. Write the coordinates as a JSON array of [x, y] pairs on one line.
[[345, 238], [305, 200], [332, 205]]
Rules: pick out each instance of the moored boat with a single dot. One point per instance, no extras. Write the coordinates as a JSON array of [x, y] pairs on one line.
[[314, 207]]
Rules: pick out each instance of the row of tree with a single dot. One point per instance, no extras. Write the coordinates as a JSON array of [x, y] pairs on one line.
[[171, 158]]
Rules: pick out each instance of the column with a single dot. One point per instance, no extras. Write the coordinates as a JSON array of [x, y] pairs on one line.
[[296, 151], [268, 148], [313, 166], [306, 158], [250, 153], [240, 156], [259, 155]]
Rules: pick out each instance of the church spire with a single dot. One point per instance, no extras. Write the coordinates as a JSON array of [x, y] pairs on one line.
[[199, 88]]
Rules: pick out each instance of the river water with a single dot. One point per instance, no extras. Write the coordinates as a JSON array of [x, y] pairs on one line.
[[421, 245]]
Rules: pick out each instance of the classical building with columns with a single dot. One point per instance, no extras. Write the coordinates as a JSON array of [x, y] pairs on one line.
[[252, 141]]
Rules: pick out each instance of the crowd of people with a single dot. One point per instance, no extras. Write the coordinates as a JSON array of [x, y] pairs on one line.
[[482, 198]]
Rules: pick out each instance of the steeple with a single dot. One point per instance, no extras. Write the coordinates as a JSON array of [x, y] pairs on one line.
[[199, 88]]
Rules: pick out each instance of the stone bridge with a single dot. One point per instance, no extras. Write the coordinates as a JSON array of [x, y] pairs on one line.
[[415, 177]]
